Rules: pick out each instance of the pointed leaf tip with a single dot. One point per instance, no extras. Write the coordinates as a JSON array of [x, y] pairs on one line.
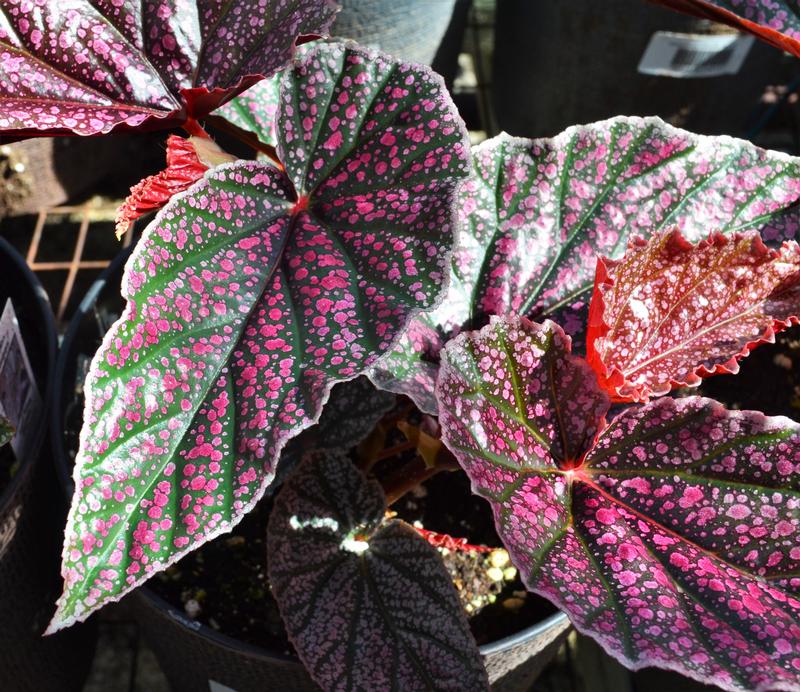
[[242, 314]]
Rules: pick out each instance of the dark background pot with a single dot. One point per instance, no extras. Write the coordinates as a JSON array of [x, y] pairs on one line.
[[192, 654], [410, 29], [32, 517], [43, 172], [580, 58]]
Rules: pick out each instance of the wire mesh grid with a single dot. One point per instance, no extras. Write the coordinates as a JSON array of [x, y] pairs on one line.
[[77, 262]]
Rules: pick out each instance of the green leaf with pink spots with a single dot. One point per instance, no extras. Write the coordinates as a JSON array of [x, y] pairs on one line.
[[670, 535], [88, 67], [249, 296], [366, 600], [538, 213], [255, 110], [775, 21], [670, 313]]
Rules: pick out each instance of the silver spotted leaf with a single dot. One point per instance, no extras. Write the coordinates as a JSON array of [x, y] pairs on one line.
[[350, 414], [367, 602]]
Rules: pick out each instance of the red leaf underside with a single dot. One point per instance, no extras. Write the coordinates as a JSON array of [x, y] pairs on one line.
[[444, 540], [670, 313], [183, 169]]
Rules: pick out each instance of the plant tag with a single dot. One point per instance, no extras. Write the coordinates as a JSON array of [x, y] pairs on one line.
[[669, 54], [19, 399]]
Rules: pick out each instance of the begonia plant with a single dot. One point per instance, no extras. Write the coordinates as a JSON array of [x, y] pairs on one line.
[[366, 238]]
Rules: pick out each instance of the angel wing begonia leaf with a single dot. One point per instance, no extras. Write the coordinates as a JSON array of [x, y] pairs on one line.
[[775, 21], [88, 68], [670, 313], [249, 296], [670, 536], [366, 601], [537, 213]]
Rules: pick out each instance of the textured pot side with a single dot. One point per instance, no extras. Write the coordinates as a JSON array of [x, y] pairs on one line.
[[409, 29], [32, 512], [192, 654]]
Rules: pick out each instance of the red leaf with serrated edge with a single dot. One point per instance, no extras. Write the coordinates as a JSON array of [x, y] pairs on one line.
[[670, 313], [671, 537], [776, 22], [537, 214], [183, 168], [444, 540], [86, 67]]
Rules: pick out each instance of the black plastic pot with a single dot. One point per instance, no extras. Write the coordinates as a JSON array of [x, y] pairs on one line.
[[410, 29], [195, 657], [32, 516]]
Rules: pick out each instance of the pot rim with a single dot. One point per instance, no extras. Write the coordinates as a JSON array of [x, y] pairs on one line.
[[153, 599], [48, 326], [228, 642]]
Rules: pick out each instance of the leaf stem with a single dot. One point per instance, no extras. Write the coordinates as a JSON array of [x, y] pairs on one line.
[[195, 129], [413, 474]]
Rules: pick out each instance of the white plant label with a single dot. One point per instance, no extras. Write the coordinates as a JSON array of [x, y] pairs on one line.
[[20, 402], [671, 54]]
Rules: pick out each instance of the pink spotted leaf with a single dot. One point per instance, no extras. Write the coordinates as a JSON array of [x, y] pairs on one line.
[[88, 68], [670, 535], [254, 110], [249, 296], [537, 213], [775, 21], [670, 313], [366, 600]]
